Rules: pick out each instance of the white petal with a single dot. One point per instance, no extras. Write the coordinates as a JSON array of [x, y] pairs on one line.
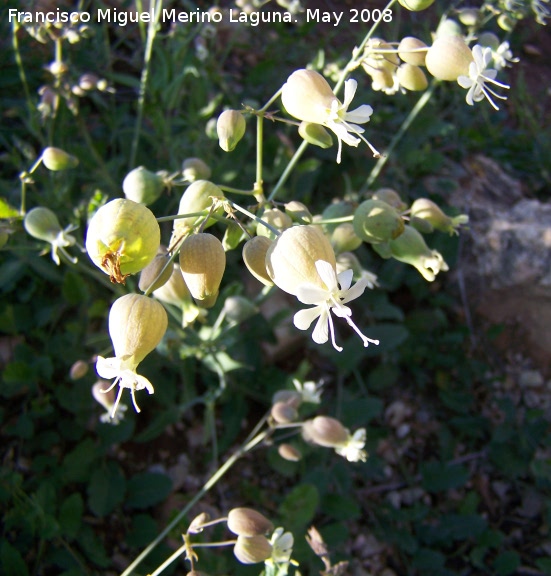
[[356, 291], [328, 275], [343, 134], [304, 318], [108, 368], [320, 335], [360, 115], [311, 294], [464, 81], [350, 87], [345, 279]]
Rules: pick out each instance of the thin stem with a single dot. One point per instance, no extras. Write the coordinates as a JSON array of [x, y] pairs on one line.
[[236, 190], [258, 185], [253, 217], [156, 6], [21, 69], [289, 168], [244, 448], [376, 170], [271, 100]]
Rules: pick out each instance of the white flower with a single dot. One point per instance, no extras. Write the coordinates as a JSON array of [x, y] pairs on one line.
[[479, 76], [106, 397], [502, 55], [307, 96], [309, 391], [62, 241], [352, 449], [123, 369], [282, 547], [330, 299]]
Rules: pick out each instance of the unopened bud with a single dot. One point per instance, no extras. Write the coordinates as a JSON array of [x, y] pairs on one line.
[[376, 221], [469, 16], [195, 169], [284, 413], [448, 27], [142, 186], [156, 274], [88, 82], [344, 239], [248, 522], [416, 5], [289, 452], [315, 134], [78, 370], [324, 431], [412, 50], [448, 58], [276, 219], [252, 550], [291, 397], [428, 211], [42, 223], [254, 256], [196, 198], [390, 196], [203, 261], [231, 128], [56, 159], [298, 212], [411, 77], [336, 210]]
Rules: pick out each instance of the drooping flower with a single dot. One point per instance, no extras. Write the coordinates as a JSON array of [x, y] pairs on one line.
[[282, 547], [331, 299], [302, 262], [330, 433], [307, 96], [480, 76], [352, 449], [309, 391], [136, 325], [107, 400]]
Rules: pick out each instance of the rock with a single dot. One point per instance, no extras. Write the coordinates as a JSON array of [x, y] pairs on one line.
[[505, 257]]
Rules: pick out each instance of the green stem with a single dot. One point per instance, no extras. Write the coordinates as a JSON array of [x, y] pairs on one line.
[[253, 217], [207, 486], [21, 70], [235, 190], [376, 170], [289, 168], [258, 185], [156, 7]]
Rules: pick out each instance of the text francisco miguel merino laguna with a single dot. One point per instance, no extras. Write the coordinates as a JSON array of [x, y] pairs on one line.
[[123, 17]]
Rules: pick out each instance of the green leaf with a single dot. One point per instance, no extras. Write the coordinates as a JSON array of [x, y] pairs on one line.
[[439, 476], [12, 561], [147, 489], [70, 515], [93, 547], [75, 290], [427, 560], [299, 506], [7, 211], [507, 563], [77, 463], [106, 489], [340, 507], [142, 530]]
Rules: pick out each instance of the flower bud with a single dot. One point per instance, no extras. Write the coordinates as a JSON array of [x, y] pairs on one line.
[[289, 452], [448, 27], [448, 58], [416, 5], [203, 261], [176, 293], [376, 221], [469, 16], [315, 134], [238, 309], [78, 370], [390, 196], [344, 239], [157, 272], [275, 218], [336, 210], [254, 256], [231, 128], [324, 431], [505, 22], [291, 259], [304, 93], [42, 223], [489, 39], [298, 212], [136, 325], [195, 169], [252, 550], [407, 51], [197, 198], [349, 261], [428, 211], [410, 248], [374, 61], [283, 413], [248, 522], [56, 159], [411, 77], [122, 239], [291, 397], [142, 186], [381, 80], [88, 82]]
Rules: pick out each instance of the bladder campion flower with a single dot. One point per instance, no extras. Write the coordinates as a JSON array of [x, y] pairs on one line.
[[307, 96], [330, 433], [136, 325], [480, 76], [302, 262]]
